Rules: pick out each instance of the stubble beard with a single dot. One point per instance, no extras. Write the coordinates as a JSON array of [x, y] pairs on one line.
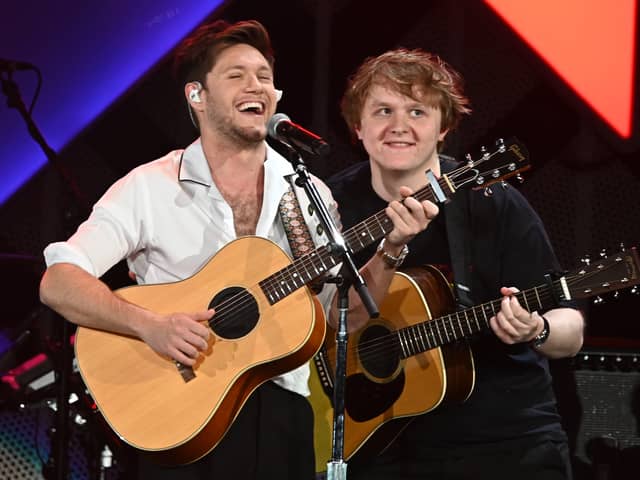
[[243, 137]]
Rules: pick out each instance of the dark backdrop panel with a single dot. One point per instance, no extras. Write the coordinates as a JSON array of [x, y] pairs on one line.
[[584, 183]]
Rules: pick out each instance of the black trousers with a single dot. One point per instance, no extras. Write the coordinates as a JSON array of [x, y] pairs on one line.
[[533, 458], [272, 438]]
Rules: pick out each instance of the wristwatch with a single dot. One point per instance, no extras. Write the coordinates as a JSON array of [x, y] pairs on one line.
[[543, 335], [393, 262]]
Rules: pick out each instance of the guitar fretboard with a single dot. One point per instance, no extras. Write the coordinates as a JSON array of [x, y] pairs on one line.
[[307, 268], [424, 336]]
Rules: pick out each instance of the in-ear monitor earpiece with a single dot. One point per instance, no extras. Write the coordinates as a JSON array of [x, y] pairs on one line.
[[194, 95]]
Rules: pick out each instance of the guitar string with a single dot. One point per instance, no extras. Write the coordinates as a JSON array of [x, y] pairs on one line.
[[239, 304], [374, 227], [448, 318], [392, 343], [431, 329]]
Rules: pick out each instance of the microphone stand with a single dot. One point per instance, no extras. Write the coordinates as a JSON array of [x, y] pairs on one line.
[[58, 462], [349, 276]]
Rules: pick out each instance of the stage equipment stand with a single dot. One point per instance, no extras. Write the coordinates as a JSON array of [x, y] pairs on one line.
[[349, 276], [58, 464]]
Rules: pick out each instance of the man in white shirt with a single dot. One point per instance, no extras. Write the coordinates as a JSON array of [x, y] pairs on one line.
[[170, 216]]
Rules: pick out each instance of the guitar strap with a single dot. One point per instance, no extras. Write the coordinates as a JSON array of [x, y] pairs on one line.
[[294, 224], [297, 230], [458, 222]]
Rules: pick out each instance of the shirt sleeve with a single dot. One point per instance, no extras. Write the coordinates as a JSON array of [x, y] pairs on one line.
[[111, 233]]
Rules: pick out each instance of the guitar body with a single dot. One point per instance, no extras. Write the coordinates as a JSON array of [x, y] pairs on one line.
[[384, 392], [147, 400]]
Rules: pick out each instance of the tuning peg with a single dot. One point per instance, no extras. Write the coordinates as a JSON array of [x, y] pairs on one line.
[[621, 247], [469, 159], [616, 295], [519, 178], [598, 300], [635, 290], [504, 184], [488, 192], [586, 260], [501, 146], [603, 253]]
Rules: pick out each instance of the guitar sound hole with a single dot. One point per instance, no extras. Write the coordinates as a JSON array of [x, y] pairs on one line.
[[236, 313], [378, 352]]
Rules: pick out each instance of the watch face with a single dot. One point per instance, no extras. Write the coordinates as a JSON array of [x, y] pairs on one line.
[[390, 259]]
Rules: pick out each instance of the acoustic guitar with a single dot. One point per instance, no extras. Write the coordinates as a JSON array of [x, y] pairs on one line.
[[267, 322], [408, 361]]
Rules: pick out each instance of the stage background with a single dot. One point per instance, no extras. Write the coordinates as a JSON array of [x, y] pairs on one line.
[[585, 180]]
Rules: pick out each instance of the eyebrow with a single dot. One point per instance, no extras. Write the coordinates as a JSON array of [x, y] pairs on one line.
[[415, 103], [262, 68]]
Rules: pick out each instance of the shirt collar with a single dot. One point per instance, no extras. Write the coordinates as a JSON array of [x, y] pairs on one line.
[[194, 167]]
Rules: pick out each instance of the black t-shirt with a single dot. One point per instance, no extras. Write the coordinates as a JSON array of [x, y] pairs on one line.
[[513, 394]]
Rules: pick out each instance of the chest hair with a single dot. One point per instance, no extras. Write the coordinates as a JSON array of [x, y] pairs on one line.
[[246, 211]]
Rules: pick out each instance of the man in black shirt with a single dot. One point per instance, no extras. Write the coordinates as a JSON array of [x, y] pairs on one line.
[[401, 105]]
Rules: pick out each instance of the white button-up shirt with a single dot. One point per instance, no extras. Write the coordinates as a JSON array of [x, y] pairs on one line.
[[168, 218]]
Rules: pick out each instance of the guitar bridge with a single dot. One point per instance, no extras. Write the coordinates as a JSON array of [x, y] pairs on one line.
[[186, 372]]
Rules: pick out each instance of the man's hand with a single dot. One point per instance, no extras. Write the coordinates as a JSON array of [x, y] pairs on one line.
[[513, 323], [180, 336], [409, 218]]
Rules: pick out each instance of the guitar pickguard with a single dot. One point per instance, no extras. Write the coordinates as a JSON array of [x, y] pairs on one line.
[[380, 396]]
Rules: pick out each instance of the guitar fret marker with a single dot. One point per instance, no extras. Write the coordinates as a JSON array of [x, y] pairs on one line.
[[416, 346], [535, 291], [402, 346], [421, 337], [476, 318], [460, 323], [439, 335], [410, 345], [524, 297]]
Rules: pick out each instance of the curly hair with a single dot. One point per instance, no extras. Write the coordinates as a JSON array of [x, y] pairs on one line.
[[403, 70]]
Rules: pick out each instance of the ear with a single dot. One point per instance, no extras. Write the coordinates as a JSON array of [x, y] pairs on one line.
[[192, 92], [442, 134], [357, 130]]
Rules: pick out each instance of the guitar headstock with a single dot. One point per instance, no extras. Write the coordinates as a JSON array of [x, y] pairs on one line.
[[508, 159], [607, 274]]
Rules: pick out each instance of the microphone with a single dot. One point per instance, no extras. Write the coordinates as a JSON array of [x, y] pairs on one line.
[[283, 129], [14, 65]]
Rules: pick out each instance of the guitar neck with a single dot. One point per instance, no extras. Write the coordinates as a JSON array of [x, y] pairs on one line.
[[434, 333], [307, 268], [377, 226], [507, 160]]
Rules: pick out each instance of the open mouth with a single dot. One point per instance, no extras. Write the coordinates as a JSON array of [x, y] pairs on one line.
[[257, 108]]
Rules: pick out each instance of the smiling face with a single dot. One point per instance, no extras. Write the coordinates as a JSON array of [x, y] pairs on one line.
[[239, 96], [400, 133]]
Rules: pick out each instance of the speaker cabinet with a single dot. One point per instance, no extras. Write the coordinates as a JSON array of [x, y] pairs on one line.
[[600, 406]]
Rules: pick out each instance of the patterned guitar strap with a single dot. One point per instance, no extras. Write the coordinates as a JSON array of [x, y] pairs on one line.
[[297, 231]]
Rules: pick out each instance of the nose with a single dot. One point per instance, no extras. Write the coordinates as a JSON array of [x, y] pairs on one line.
[[398, 124], [253, 83]]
